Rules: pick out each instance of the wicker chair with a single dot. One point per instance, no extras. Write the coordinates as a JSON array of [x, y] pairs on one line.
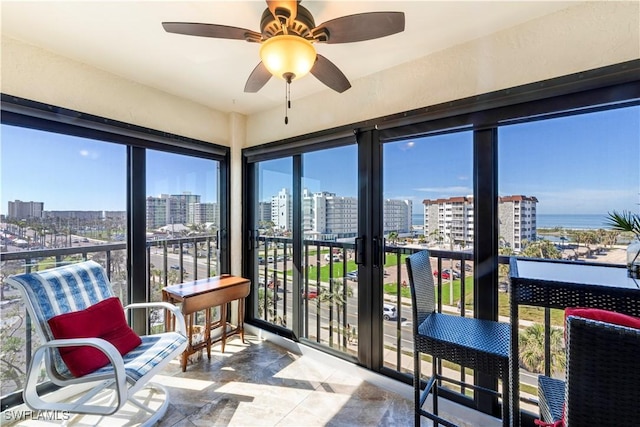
[[602, 380], [479, 344]]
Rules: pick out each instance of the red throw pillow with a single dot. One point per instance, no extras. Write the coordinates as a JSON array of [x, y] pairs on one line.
[[102, 320], [603, 316]]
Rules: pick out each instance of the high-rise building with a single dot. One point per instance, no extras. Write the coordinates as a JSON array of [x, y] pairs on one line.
[[202, 213], [24, 210], [156, 212], [264, 213], [450, 221], [169, 209], [397, 215], [282, 210], [326, 216], [517, 216], [179, 207]]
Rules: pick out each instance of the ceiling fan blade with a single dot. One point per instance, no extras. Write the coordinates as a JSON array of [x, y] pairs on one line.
[[283, 9], [362, 26], [327, 72], [258, 78], [210, 30]]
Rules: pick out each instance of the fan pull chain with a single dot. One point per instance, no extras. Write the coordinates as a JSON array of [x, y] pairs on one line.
[[287, 96], [286, 103]]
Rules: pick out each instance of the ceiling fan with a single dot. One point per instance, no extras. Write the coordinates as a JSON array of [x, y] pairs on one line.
[[287, 34]]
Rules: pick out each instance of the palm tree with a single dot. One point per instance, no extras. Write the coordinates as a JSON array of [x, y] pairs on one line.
[[628, 222], [531, 342], [624, 221], [578, 237], [503, 269], [196, 229], [540, 249], [337, 295], [435, 235], [393, 237], [590, 238], [12, 348], [265, 302]]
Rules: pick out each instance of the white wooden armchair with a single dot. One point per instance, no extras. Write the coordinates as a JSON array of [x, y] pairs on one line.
[[86, 340]]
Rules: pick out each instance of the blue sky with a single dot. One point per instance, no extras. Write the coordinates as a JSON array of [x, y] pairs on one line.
[[587, 164], [70, 173]]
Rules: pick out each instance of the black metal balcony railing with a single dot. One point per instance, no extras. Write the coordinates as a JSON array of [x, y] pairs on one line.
[[329, 295], [328, 299], [169, 261]]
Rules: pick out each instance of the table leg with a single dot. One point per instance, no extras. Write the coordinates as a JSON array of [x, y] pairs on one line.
[[207, 333], [241, 318], [168, 317], [223, 323], [514, 362], [185, 353]]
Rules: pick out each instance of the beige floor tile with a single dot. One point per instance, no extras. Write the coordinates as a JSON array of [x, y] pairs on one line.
[[258, 383]]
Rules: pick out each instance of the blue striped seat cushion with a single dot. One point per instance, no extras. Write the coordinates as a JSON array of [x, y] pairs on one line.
[[64, 289], [153, 350], [75, 287]]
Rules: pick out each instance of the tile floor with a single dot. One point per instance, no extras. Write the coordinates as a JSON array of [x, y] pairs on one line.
[[262, 384], [259, 383]]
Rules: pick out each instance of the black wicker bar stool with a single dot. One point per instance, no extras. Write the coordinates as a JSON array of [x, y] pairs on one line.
[[479, 344], [602, 377]]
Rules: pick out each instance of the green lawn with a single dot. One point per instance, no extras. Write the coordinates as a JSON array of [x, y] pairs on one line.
[[338, 272], [535, 314], [391, 289]]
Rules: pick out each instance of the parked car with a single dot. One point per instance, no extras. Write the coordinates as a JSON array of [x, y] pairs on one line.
[[328, 257], [389, 311], [446, 274], [313, 293], [455, 273], [467, 266], [352, 275]]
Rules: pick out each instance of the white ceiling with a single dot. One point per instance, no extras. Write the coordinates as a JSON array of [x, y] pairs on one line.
[[126, 38]]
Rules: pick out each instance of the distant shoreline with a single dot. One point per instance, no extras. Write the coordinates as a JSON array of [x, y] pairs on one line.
[[552, 221]]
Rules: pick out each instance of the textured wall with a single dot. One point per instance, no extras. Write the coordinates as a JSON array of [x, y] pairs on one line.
[[579, 38], [36, 74]]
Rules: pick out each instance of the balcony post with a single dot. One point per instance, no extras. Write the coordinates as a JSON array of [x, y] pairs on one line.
[[137, 241], [485, 246]]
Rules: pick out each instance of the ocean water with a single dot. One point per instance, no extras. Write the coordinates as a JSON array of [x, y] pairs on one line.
[[577, 222]]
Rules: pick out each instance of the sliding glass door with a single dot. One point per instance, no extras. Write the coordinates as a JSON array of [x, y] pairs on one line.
[[272, 232], [301, 243], [63, 201], [151, 208], [329, 207]]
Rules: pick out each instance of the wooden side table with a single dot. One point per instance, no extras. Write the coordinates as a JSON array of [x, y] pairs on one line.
[[205, 294]]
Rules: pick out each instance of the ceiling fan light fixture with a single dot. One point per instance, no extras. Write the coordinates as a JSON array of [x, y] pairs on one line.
[[288, 56]]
